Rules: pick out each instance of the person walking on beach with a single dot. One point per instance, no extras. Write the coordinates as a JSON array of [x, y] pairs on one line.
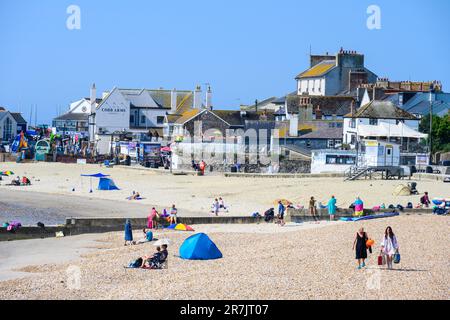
[[360, 247], [281, 211], [313, 209], [332, 208], [389, 246], [128, 233]]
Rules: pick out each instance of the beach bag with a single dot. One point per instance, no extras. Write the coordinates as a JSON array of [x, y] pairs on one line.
[[381, 260], [397, 257], [136, 264]]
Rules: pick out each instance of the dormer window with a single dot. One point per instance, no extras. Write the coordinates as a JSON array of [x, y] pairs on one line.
[[373, 122]]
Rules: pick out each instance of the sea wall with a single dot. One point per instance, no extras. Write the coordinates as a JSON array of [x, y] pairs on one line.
[[77, 226]]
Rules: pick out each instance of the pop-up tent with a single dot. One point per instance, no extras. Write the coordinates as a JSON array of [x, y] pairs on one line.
[[199, 247], [107, 184], [180, 227], [104, 183]]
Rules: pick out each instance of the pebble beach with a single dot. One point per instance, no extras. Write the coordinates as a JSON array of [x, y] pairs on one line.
[[265, 261]]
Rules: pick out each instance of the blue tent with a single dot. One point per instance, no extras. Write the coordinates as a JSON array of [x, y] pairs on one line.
[[107, 184], [199, 247], [104, 183]]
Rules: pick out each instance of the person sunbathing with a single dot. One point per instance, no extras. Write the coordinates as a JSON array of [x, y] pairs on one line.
[[148, 260], [16, 181], [26, 181], [134, 196], [147, 236], [157, 260]]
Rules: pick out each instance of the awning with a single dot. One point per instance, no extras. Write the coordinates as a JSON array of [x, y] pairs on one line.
[[389, 130], [97, 175]]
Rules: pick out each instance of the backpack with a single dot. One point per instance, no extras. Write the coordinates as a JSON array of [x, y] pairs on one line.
[[137, 263]]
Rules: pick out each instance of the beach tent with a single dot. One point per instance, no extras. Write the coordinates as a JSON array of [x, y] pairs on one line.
[[6, 173], [199, 247], [402, 190], [107, 184], [180, 227], [104, 183]]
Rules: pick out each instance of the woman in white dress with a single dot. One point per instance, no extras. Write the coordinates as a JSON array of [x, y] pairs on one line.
[[389, 246]]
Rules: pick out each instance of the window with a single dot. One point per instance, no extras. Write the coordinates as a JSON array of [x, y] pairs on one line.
[[160, 120], [340, 160], [7, 129], [131, 118], [331, 143], [142, 119], [352, 123], [373, 122]]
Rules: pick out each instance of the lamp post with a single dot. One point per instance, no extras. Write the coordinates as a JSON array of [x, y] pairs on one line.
[[431, 124]]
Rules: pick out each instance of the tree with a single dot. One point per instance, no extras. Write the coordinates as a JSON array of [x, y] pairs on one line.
[[440, 132]]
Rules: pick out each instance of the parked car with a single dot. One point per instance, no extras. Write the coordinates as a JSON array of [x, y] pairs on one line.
[[445, 163]]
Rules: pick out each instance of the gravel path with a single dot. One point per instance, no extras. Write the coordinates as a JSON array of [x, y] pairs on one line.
[[260, 262]]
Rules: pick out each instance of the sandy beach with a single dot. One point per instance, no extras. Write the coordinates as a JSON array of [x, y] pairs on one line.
[[260, 262], [194, 195]]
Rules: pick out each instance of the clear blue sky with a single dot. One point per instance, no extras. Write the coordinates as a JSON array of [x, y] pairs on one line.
[[247, 50]]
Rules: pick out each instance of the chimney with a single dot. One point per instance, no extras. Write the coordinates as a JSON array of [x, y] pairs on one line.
[[293, 126], [173, 101], [209, 98], [93, 97], [352, 108], [319, 113], [198, 98], [256, 105]]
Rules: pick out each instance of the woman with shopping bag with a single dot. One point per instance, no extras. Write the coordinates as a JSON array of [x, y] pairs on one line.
[[390, 248]]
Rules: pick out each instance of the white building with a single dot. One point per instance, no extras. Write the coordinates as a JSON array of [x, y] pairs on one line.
[[332, 75], [76, 120], [381, 120], [139, 112]]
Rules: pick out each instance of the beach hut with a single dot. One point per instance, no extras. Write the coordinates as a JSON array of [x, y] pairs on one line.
[[199, 247]]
